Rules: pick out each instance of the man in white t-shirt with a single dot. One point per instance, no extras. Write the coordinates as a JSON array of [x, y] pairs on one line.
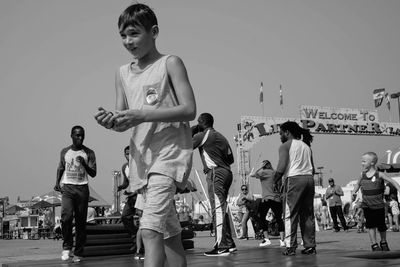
[[76, 163]]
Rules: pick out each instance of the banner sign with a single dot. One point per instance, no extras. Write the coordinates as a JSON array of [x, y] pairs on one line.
[[255, 128], [325, 120], [319, 120]]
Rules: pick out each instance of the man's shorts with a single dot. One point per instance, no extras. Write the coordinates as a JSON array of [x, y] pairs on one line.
[[159, 213], [375, 219]]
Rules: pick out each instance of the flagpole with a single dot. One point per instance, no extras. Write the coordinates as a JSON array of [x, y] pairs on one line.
[[262, 98], [281, 99]]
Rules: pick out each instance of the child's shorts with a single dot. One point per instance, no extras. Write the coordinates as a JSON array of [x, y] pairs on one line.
[[375, 219], [159, 213]]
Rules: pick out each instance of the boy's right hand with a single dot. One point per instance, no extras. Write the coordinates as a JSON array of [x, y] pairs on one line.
[[104, 118]]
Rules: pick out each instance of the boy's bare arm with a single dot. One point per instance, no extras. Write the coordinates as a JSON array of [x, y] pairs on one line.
[[356, 187], [184, 111]]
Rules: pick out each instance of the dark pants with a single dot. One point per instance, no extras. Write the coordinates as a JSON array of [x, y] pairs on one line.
[[276, 208], [127, 215], [219, 181], [74, 205], [336, 211], [299, 206]]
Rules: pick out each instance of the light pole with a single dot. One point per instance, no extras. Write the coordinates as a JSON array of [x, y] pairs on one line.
[[397, 95], [117, 196], [320, 182]]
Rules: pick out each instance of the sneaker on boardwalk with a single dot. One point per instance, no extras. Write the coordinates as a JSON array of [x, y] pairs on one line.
[[217, 252], [65, 255], [265, 242]]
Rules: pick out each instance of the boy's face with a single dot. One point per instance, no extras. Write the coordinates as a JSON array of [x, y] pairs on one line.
[[367, 162], [138, 41]]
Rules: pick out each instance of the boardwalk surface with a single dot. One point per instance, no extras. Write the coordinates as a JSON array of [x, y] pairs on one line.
[[334, 249]]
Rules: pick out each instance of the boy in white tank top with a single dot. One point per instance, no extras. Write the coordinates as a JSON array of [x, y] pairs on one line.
[[154, 98]]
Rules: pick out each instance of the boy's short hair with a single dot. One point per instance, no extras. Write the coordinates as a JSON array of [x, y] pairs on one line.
[[126, 148], [373, 155], [137, 15]]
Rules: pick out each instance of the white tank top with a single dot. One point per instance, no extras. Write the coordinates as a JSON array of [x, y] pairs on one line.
[[299, 159]]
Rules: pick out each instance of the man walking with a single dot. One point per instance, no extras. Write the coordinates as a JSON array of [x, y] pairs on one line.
[[216, 155], [333, 195], [76, 163]]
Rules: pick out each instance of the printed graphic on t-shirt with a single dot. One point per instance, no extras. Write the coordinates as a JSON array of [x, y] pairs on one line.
[[151, 94], [74, 170]]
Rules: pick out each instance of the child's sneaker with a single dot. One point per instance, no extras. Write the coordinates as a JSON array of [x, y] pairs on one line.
[[384, 246], [65, 254], [375, 247], [265, 242]]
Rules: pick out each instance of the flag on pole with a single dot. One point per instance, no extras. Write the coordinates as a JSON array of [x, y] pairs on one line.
[[261, 94], [280, 95], [378, 96], [387, 100]]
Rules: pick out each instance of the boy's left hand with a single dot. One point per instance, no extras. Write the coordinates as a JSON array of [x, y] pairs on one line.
[[123, 120]]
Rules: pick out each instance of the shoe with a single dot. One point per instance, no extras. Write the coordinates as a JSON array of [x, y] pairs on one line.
[[289, 252], [282, 244], [233, 248], [265, 242], [384, 246], [309, 251], [217, 252], [375, 247], [65, 255], [138, 256], [76, 259], [336, 230], [244, 237]]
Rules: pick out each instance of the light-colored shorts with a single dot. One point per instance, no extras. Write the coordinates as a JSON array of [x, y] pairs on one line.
[[159, 213]]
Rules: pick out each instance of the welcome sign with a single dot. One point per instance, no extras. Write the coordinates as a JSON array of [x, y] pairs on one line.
[[327, 120], [319, 120]]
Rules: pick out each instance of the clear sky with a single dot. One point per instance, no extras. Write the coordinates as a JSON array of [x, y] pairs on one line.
[[58, 60]]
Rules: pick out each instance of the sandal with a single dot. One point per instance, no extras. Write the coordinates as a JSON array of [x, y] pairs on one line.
[[384, 246]]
